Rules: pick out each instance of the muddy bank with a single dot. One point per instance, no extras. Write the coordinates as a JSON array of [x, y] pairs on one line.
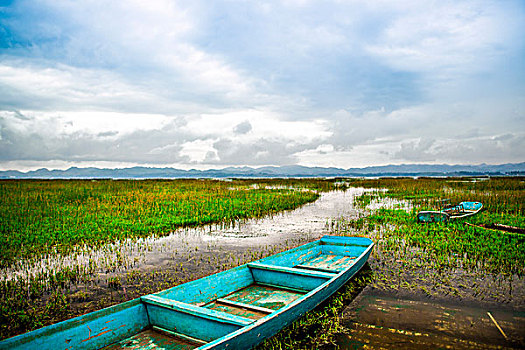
[[411, 303], [384, 320]]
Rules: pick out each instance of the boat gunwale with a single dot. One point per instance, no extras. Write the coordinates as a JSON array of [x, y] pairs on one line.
[[217, 342], [71, 323]]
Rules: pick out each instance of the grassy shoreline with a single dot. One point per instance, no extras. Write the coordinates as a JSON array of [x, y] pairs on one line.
[[39, 217]]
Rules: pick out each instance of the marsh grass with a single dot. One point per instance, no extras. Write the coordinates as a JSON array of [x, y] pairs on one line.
[[441, 261], [503, 196], [39, 217], [44, 222], [448, 260]]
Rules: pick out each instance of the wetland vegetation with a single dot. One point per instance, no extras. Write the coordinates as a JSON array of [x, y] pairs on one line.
[[50, 229], [38, 217], [440, 261]]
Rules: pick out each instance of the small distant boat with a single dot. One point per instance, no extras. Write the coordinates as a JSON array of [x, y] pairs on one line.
[[234, 309], [432, 216], [462, 210]]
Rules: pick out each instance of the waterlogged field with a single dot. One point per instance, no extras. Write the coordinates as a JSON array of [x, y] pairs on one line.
[[62, 242], [460, 270], [435, 265], [42, 216]]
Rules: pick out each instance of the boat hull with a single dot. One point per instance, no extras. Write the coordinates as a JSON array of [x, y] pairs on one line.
[[432, 216], [251, 336], [234, 309], [460, 211]]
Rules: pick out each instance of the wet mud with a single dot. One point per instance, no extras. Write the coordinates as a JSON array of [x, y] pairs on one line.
[[384, 321], [408, 304]]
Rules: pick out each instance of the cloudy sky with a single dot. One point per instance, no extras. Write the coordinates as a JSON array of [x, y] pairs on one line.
[[210, 84]]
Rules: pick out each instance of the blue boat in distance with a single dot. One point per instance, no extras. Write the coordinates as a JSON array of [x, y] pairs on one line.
[[233, 309], [460, 211]]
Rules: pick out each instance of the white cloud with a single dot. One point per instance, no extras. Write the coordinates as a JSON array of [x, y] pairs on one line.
[[264, 124], [448, 37], [146, 138], [198, 151], [92, 123], [234, 83], [29, 86]]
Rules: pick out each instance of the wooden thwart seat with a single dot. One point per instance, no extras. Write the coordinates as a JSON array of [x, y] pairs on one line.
[[245, 306], [290, 278], [281, 287], [328, 263], [198, 311], [292, 270], [321, 269]]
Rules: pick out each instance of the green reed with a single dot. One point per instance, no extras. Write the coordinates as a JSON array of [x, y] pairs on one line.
[[504, 195], [440, 260], [38, 217], [46, 219]]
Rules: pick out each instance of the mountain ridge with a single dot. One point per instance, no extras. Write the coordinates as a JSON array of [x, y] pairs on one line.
[[507, 169]]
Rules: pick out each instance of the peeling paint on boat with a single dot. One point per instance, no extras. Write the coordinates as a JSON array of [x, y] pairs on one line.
[[260, 297]]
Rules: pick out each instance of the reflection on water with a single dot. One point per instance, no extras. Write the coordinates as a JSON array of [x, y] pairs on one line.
[[381, 321]]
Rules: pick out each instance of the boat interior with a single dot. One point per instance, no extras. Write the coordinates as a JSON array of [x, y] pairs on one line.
[[206, 312], [197, 313]]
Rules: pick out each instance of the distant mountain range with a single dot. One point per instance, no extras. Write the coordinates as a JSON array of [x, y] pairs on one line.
[[282, 171]]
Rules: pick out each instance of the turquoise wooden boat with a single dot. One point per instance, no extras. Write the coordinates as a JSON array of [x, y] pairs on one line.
[[432, 216], [234, 309], [460, 211]]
